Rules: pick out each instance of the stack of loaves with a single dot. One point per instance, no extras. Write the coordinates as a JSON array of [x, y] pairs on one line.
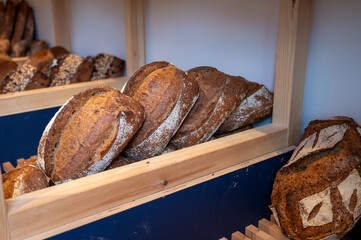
[[55, 67], [17, 25], [161, 108]]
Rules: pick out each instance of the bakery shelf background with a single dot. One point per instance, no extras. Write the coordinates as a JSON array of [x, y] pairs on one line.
[[171, 172]]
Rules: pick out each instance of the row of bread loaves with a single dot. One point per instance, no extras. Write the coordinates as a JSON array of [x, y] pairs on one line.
[[161, 107]]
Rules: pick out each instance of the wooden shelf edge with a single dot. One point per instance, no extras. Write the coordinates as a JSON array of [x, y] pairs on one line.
[[149, 179], [13, 103]]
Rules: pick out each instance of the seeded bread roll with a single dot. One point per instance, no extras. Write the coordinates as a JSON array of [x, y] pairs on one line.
[[317, 194], [256, 106], [25, 178], [167, 95], [24, 77], [5, 68], [87, 133], [20, 22], [107, 66], [219, 95], [119, 161]]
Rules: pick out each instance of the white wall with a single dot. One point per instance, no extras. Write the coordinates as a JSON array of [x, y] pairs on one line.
[[333, 79], [236, 36]]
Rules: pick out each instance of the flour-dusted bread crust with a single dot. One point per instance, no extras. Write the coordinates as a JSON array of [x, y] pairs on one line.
[[219, 95], [257, 105], [25, 178], [24, 77], [107, 66], [167, 95], [317, 194], [87, 133]]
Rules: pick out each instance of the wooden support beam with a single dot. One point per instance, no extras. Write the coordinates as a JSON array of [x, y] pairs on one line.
[[7, 166], [62, 23], [291, 57], [4, 222], [134, 34], [239, 236], [255, 234], [271, 229]]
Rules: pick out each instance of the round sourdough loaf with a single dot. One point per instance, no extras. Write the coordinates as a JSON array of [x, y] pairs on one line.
[[317, 194], [87, 133], [26, 177], [257, 105], [167, 94], [219, 95]]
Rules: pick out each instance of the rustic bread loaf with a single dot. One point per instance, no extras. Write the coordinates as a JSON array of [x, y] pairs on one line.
[[30, 27], [37, 46], [317, 194], [219, 95], [4, 57], [87, 133], [107, 66], [2, 18], [257, 105], [23, 77], [167, 95], [20, 22], [25, 178], [19, 48], [5, 68], [119, 161], [9, 20], [84, 71], [63, 69]]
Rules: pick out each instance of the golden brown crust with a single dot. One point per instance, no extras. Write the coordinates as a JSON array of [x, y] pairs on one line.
[[88, 132], [219, 95], [140, 75], [313, 170], [26, 177], [257, 105], [167, 95]]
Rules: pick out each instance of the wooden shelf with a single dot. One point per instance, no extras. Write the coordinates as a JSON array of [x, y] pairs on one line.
[[72, 204]]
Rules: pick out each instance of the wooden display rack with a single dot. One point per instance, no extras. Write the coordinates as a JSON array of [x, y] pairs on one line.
[[53, 210]]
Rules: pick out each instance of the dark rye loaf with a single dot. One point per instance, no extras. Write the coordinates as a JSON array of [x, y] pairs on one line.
[[219, 95], [167, 94], [87, 133], [317, 194]]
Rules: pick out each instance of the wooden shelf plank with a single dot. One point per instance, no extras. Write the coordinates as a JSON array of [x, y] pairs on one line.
[[31, 100], [239, 236], [271, 229], [7, 166], [4, 225], [257, 234], [146, 177]]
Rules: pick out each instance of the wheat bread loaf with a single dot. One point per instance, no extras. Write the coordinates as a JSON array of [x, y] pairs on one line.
[[87, 133], [257, 105], [167, 94], [317, 194], [107, 66], [219, 95]]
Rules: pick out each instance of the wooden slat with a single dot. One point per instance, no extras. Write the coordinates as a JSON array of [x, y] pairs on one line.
[[223, 238], [20, 60], [148, 198], [291, 57], [20, 160], [146, 177], [271, 229], [31, 100], [4, 226], [61, 23], [7, 166], [255, 234], [239, 236], [134, 34]]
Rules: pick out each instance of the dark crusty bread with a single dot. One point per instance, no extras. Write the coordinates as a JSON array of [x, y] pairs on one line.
[[119, 161], [25, 178], [42, 60], [20, 22], [87, 133], [167, 95], [317, 194], [9, 20], [4, 57], [257, 105], [5, 46], [37, 46], [83, 72], [23, 77], [238, 130], [30, 27], [219, 95], [2, 18], [19, 48], [107, 66], [64, 68], [5, 68]]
